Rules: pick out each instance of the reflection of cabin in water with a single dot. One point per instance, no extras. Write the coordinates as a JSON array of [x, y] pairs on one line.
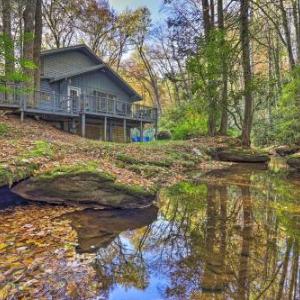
[[81, 94]]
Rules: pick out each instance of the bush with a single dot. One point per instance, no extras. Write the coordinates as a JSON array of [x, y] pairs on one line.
[[185, 121], [164, 135], [287, 114]]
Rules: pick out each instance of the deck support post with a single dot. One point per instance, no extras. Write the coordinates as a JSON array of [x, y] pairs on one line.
[[22, 108], [142, 131], [83, 119], [105, 129], [22, 115], [110, 130], [125, 130], [73, 126]]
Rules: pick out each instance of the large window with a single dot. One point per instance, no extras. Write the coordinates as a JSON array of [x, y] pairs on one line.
[[104, 101]]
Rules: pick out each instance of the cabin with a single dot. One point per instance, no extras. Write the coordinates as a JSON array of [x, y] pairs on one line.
[[79, 93]]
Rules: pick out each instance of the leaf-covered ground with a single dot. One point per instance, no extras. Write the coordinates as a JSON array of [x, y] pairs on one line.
[[35, 147]]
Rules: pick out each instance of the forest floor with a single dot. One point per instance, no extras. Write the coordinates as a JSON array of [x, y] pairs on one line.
[[34, 147]]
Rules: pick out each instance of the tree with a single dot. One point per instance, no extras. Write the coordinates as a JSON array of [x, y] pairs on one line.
[[287, 33], [7, 35], [59, 17], [224, 99], [247, 72], [38, 29], [28, 41], [145, 23]]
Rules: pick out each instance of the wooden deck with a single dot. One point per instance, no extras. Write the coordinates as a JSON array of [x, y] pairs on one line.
[[49, 104]]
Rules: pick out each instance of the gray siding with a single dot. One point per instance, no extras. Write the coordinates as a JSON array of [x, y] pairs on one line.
[[45, 85], [65, 62], [99, 80]]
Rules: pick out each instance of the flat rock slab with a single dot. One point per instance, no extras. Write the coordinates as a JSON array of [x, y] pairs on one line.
[[242, 156], [91, 189], [285, 150], [294, 162]]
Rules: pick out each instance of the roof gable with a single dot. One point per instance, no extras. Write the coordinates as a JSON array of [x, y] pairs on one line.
[[59, 70], [82, 47]]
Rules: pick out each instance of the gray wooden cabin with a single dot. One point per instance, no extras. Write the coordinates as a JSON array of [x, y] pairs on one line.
[[81, 94]]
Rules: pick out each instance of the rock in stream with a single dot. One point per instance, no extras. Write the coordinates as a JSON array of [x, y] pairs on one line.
[[241, 156], [91, 189]]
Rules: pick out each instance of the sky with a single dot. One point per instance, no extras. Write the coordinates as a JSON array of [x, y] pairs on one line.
[[153, 5]]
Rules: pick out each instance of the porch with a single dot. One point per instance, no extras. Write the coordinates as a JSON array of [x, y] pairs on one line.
[[78, 109]]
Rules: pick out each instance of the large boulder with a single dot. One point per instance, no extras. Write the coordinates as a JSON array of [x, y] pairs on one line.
[[285, 150], [98, 228], [242, 156], [88, 188], [294, 161]]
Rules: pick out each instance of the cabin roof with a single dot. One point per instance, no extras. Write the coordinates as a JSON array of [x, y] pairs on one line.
[[99, 64], [81, 47], [79, 72]]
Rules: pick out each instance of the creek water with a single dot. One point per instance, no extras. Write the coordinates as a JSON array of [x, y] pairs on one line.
[[230, 234]]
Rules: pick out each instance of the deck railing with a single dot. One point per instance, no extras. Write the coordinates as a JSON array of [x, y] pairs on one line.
[[10, 95], [51, 103], [98, 105]]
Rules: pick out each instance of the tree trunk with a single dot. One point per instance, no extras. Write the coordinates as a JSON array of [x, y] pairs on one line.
[[212, 122], [28, 39], [9, 43], [224, 113], [287, 34], [247, 73], [206, 18], [296, 17], [37, 43], [212, 12]]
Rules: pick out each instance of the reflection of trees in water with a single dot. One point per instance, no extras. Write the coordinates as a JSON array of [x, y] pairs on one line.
[[214, 241]]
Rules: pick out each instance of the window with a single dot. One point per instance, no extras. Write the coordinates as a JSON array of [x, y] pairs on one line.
[[104, 101]]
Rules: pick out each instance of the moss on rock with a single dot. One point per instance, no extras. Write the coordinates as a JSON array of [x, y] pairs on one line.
[[23, 169], [79, 169], [86, 185]]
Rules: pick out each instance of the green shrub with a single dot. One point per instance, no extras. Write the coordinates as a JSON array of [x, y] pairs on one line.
[[287, 116], [185, 121]]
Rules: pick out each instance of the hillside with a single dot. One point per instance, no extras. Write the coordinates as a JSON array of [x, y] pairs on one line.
[[35, 147]]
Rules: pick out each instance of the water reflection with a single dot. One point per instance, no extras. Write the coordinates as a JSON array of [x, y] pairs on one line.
[[8, 199], [98, 228], [234, 235]]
